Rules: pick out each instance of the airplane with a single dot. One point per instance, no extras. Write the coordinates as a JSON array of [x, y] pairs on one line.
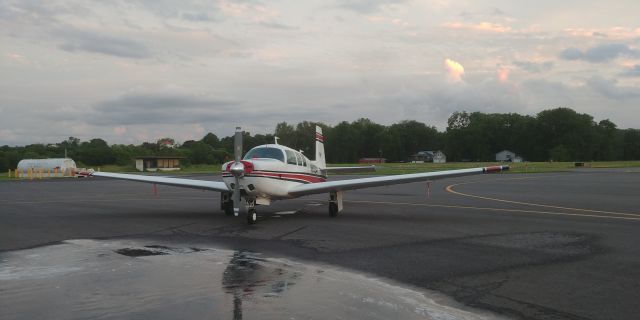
[[273, 172]]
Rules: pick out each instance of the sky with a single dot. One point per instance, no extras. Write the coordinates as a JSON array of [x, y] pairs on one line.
[[135, 71]]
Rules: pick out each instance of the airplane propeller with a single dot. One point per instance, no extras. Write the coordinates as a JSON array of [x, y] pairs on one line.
[[237, 169]]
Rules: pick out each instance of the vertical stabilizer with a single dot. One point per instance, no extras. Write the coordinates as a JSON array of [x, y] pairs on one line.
[[319, 161]]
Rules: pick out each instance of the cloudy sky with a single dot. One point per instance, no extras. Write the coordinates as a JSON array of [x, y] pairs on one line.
[[134, 71]]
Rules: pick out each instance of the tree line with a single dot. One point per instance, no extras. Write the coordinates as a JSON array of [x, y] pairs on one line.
[[559, 134]]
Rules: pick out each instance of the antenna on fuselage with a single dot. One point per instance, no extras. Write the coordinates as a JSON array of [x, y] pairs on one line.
[[276, 139]]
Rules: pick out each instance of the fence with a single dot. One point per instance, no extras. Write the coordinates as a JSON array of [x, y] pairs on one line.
[[40, 173]]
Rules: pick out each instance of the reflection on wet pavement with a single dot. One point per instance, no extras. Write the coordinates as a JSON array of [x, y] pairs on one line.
[[82, 279]]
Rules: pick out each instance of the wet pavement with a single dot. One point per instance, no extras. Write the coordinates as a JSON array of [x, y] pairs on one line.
[[125, 279]]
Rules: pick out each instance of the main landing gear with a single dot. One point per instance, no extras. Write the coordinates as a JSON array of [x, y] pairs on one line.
[[226, 204], [335, 203], [252, 214]]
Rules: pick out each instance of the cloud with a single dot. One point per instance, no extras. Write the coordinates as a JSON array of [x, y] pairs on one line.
[[198, 16], [503, 74], [276, 25], [367, 6], [601, 53], [455, 70], [610, 89], [534, 67], [619, 33], [482, 26], [632, 72], [433, 101], [159, 108], [572, 54], [179, 108], [94, 42]]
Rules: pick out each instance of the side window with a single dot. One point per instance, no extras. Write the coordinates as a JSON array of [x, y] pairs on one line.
[[291, 157], [304, 160], [299, 157]]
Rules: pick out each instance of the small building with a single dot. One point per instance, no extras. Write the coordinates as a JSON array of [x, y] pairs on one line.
[[428, 156], [58, 166], [508, 156], [155, 163], [372, 160]]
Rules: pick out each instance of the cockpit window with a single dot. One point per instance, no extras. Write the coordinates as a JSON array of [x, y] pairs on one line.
[[266, 152]]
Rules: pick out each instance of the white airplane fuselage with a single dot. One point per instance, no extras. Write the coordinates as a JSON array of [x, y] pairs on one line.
[[266, 178]]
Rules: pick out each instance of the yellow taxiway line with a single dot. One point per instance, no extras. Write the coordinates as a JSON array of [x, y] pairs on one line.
[[491, 209], [449, 189]]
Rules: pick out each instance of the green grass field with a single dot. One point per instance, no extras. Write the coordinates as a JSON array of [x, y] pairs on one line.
[[522, 167], [401, 168]]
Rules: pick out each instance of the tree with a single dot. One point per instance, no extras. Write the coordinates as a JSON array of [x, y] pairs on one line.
[[96, 152], [285, 133], [201, 153], [563, 126], [165, 143], [631, 144], [211, 139], [609, 141]]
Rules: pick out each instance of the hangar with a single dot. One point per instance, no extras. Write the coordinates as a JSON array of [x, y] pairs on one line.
[[158, 163], [55, 166]]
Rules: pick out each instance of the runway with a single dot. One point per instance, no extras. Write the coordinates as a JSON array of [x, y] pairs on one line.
[[538, 246]]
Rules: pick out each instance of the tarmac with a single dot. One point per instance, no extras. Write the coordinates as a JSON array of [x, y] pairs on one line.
[[537, 246]]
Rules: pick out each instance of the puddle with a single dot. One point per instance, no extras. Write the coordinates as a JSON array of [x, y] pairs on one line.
[[284, 213], [82, 279], [315, 204]]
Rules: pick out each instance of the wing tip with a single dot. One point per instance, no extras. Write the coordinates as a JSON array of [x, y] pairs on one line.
[[494, 169]]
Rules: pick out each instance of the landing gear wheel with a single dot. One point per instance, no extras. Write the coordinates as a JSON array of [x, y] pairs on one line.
[[252, 216], [333, 209], [228, 208]]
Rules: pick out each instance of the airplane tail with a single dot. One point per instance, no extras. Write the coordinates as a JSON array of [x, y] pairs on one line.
[[319, 160]]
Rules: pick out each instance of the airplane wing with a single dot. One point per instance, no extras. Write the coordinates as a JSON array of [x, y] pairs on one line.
[[338, 170], [351, 184], [176, 182]]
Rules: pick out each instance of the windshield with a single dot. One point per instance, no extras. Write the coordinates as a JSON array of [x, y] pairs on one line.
[[265, 152]]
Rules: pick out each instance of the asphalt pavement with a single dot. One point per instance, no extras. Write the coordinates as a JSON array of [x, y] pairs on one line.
[[537, 246]]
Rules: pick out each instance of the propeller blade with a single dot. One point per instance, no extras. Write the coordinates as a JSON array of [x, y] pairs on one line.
[[237, 170], [237, 145], [236, 197]]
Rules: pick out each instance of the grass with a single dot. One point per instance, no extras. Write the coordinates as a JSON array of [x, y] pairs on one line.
[[402, 168], [196, 168], [522, 167]]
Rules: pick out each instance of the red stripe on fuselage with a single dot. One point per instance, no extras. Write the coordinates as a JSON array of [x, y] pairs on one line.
[[302, 177], [283, 175]]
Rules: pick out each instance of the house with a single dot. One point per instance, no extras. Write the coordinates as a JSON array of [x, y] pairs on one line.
[[155, 163], [428, 156], [508, 156]]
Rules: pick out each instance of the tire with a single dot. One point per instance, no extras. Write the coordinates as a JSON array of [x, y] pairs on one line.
[[333, 209], [252, 216]]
